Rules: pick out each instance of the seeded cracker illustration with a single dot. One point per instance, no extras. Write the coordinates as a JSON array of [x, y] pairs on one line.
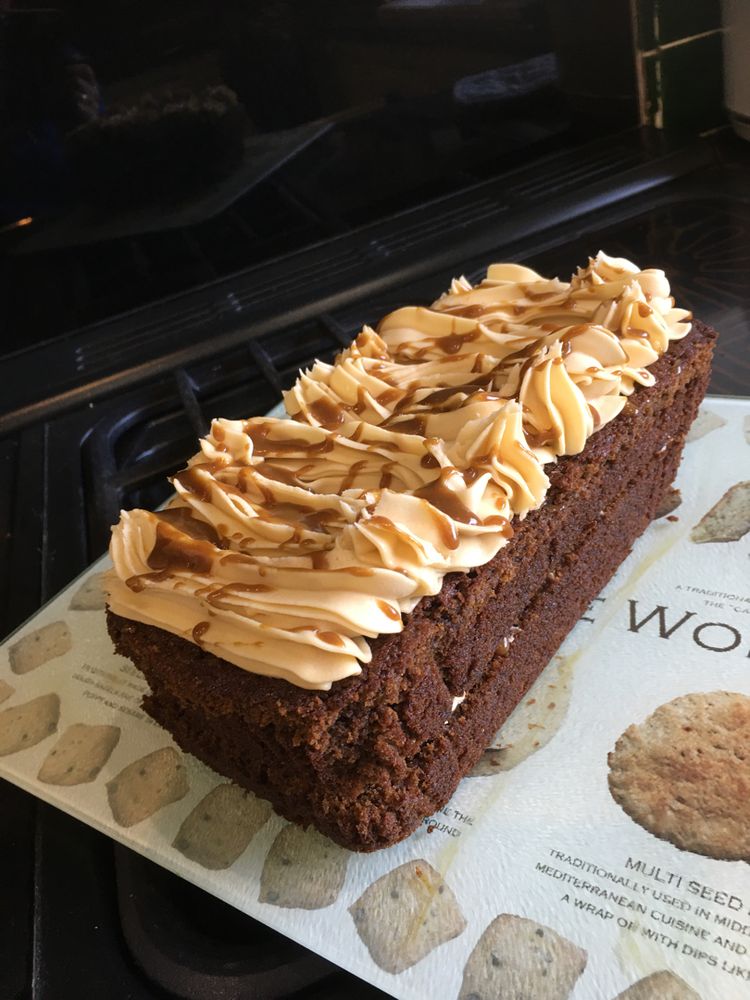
[[147, 785], [659, 986], [704, 423], [221, 826], [303, 869], [90, 595], [728, 520], [405, 915], [516, 957], [533, 723], [670, 502], [684, 774], [38, 647], [79, 754], [25, 725], [5, 691]]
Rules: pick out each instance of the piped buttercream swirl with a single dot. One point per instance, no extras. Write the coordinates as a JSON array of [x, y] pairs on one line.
[[290, 543]]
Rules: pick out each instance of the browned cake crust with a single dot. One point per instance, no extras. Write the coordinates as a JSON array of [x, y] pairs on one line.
[[367, 760]]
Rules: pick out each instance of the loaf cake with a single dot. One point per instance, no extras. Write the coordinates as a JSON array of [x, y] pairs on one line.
[[338, 610]]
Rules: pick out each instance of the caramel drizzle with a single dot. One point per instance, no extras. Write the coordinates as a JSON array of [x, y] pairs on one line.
[[175, 551], [199, 631], [333, 415], [186, 543], [445, 500], [199, 479], [327, 413], [389, 611], [140, 581], [263, 444], [183, 519], [331, 638]]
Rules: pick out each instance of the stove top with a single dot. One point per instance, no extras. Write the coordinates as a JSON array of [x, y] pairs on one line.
[[95, 420], [171, 145]]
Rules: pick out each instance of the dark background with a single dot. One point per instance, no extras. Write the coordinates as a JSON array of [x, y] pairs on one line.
[[341, 113]]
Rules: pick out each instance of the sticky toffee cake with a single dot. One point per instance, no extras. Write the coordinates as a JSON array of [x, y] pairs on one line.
[[339, 610]]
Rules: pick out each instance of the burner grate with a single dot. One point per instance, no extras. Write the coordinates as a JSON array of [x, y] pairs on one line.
[[145, 435]]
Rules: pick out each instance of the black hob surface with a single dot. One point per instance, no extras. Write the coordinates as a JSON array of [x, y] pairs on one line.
[[162, 146], [95, 421]]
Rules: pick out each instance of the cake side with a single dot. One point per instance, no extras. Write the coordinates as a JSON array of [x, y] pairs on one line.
[[365, 761]]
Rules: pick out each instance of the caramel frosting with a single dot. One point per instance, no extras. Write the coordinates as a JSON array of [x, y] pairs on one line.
[[290, 543]]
